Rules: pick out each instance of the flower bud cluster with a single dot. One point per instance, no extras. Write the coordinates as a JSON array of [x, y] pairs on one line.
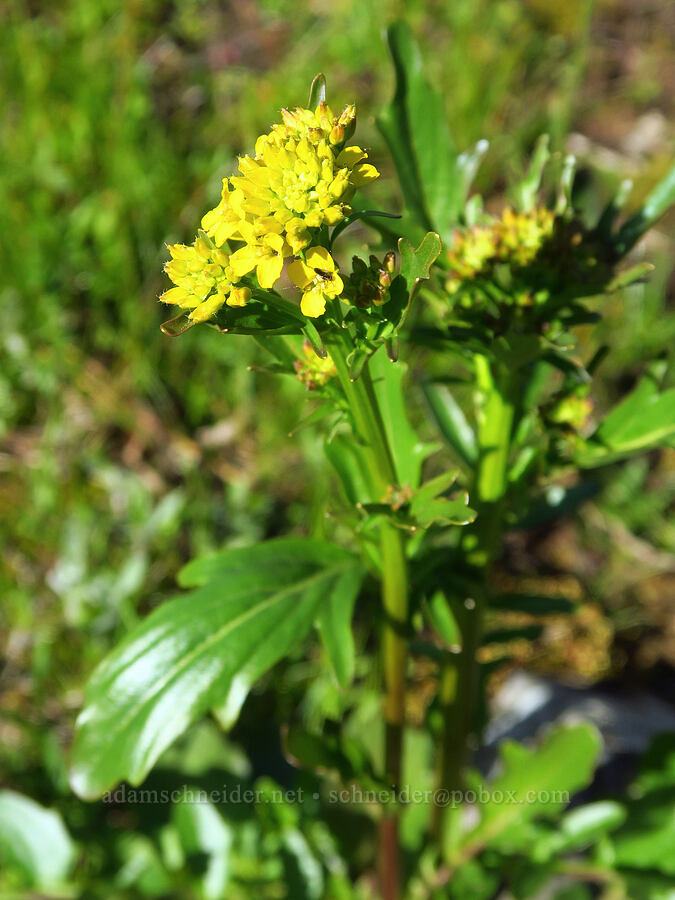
[[523, 260], [368, 284], [312, 370]]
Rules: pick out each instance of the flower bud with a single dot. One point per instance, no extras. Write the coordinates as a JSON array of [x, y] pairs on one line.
[[337, 135], [390, 262], [290, 118], [348, 120]]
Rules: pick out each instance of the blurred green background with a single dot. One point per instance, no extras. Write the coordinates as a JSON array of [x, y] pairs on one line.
[[124, 452]]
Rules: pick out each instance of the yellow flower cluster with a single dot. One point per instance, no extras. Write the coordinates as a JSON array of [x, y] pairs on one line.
[[516, 239], [300, 180], [204, 279], [519, 236]]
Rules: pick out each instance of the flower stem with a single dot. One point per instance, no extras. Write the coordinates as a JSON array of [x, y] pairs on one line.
[[460, 679], [381, 475]]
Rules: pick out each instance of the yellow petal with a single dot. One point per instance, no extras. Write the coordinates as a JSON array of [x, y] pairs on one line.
[[297, 240], [239, 296], [300, 274], [333, 214], [211, 218], [268, 271], [275, 241], [350, 156], [362, 174], [336, 286], [313, 304], [207, 309], [243, 261], [270, 225], [320, 258], [175, 295]]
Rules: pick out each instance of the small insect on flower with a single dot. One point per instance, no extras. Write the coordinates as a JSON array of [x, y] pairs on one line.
[[317, 276]]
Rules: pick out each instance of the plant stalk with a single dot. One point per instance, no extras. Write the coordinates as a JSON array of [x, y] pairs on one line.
[[460, 676], [381, 475]]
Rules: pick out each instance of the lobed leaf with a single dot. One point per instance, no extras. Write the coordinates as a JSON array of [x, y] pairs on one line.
[[534, 783]]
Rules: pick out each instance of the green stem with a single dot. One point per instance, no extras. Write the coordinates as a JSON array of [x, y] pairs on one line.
[[381, 476], [479, 545]]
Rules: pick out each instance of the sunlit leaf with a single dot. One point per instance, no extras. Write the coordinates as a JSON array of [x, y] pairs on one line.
[[201, 650], [35, 840]]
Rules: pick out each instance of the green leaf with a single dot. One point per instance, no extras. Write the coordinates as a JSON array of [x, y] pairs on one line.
[[439, 613], [646, 418], [648, 886], [647, 838], [452, 422], [414, 126], [507, 635], [434, 180], [528, 879], [533, 604], [407, 449], [334, 623], [428, 506], [534, 783], [320, 753], [657, 203], [330, 753], [177, 325], [564, 195], [203, 832], [265, 314], [348, 460], [613, 208], [34, 840], [415, 267], [528, 187], [635, 273], [467, 166], [141, 867], [317, 91], [473, 880], [303, 872], [201, 650], [579, 828], [657, 766]]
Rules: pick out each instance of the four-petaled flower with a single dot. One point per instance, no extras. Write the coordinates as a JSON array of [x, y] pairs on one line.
[[318, 278]]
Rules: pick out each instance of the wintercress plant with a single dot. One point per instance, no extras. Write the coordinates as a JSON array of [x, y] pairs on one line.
[[499, 300]]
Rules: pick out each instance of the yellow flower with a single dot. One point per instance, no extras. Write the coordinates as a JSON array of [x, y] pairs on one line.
[[266, 257], [224, 222], [302, 176], [198, 271], [318, 278], [300, 180]]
